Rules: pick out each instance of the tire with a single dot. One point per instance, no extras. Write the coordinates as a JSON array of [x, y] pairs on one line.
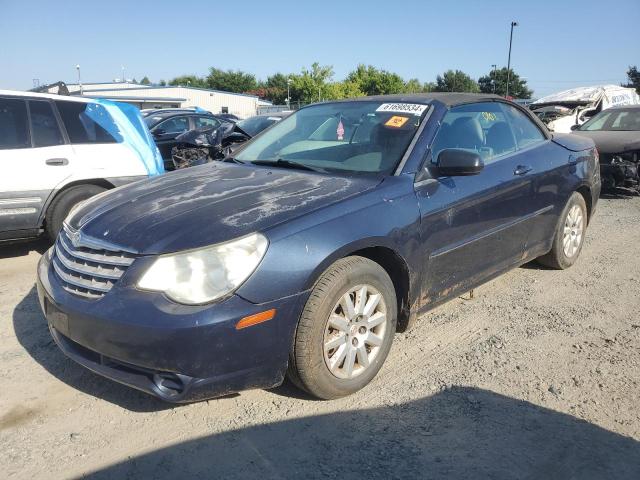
[[369, 333], [62, 205], [573, 222]]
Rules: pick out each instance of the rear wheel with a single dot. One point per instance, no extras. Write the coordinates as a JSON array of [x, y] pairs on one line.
[[569, 237], [62, 205], [345, 330]]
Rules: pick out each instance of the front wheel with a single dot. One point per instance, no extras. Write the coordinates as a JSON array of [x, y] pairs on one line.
[[345, 330], [569, 236]]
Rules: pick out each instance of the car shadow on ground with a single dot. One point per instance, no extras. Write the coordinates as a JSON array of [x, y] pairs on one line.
[[22, 248], [456, 434], [32, 332]]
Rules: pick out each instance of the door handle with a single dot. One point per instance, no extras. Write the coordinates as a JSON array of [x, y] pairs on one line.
[[522, 170], [57, 162]]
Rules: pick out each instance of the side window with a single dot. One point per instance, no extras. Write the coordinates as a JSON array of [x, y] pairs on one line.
[[174, 125], [206, 122], [44, 127], [13, 124], [87, 123], [525, 131], [479, 127]]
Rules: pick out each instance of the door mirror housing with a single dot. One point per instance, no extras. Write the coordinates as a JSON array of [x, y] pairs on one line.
[[455, 162], [575, 127], [158, 131]]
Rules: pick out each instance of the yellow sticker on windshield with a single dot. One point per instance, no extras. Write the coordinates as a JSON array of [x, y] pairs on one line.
[[489, 116], [396, 121]]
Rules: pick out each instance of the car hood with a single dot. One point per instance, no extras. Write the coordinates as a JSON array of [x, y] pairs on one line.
[[612, 141], [208, 204]]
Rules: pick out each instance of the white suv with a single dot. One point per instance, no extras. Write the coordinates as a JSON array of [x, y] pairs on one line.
[[56, 151]]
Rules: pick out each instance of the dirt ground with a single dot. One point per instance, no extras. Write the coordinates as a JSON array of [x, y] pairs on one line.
[[537, 377]]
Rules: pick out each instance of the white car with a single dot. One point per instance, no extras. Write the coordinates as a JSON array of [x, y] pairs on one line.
[[57, 151], [565, 111]]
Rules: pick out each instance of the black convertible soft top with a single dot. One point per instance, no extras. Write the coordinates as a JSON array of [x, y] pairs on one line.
[[449, 99]]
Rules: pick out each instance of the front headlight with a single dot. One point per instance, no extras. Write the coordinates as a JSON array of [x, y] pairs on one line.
[[204, 275]]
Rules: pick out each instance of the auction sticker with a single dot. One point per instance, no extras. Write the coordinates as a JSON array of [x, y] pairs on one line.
[[396, 121], [411, 108]]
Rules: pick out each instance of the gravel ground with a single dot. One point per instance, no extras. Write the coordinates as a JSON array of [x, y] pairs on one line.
[[537, 377]]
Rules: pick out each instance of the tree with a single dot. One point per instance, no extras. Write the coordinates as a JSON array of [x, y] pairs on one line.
[[340, 90], [309, 85], [235, 81], [145, 81], [455, 81], [414, 85], [162, 83], [376, 82], [634, 78], [496, 82], [188, 81]]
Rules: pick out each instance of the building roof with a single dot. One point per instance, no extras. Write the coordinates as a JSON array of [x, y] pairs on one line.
[[159, 87]]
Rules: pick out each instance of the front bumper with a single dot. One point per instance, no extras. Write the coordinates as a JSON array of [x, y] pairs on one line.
[[175, 352]]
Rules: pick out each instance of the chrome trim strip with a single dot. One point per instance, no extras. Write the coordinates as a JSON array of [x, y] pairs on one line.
[[78, 282], [70, 264], [450, 248], [93, 257], [90, 242], [14, 201], [17, 211]]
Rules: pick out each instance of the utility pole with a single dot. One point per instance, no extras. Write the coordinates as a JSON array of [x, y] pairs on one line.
[[123, 77], [288, 93], [493, 79], [513, 24], [79, 79]]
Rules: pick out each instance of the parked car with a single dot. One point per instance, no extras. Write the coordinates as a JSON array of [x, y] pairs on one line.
[[561, 111], [203, 145], [166, 125], [254, 125], [57, 151], [616, 133], [229, 117], [304, 252]]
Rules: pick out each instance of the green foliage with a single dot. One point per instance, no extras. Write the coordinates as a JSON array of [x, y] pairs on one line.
[[496, 82], [373, 81], [311, 84], [188, 81], [162, 83], [455, 81], [145, 81], [634, 78], [413, 85], [231, 80]]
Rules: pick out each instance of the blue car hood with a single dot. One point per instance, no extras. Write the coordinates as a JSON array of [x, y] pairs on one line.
[[208, 204]]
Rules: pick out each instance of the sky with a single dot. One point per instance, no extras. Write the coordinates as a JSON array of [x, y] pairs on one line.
[[557, 45]]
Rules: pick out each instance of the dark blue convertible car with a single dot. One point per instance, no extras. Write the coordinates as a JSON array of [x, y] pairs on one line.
[[304, 253]]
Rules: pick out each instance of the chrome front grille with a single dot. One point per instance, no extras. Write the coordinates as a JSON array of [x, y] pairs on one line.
[[88, 272]]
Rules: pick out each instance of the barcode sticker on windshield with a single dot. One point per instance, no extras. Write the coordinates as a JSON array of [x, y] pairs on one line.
[[411, 108]]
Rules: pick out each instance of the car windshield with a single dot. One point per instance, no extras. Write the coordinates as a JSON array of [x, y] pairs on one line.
[[153, 119], [254, 125], [350, 137], [614, 120]]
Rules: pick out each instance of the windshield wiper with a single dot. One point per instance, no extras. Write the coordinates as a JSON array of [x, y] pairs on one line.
[[287, 164], [232, 160]]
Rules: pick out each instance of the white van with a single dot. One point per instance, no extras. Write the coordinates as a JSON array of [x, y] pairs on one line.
[[56, 151], [565, 111]]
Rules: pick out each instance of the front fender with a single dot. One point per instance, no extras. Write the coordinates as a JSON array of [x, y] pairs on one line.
[[301, 250]]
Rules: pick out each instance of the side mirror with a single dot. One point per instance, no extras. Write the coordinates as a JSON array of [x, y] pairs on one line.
[[575, 127], [454, 162], [158, 131]]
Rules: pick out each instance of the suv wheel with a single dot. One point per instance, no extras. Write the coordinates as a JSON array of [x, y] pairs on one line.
[[62, 205]]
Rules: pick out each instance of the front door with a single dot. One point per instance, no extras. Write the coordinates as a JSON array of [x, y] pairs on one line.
[[473, 227]]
